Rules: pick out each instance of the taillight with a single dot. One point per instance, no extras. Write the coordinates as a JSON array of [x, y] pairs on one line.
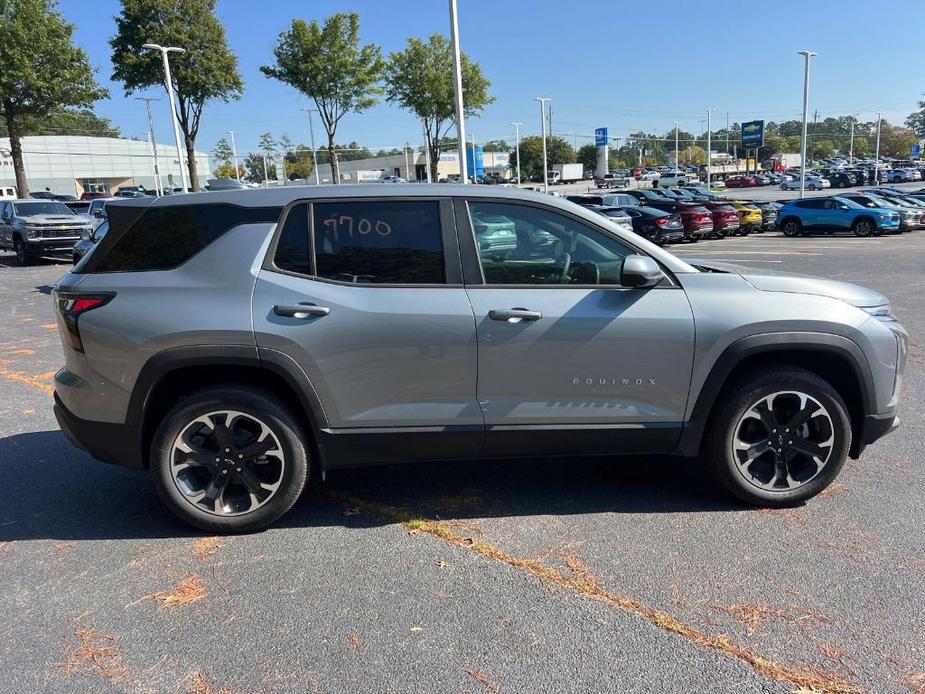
[[662, 221], [73, 306]]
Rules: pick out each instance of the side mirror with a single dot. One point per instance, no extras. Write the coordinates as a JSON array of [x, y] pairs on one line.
[[640, 272], [98, 213]]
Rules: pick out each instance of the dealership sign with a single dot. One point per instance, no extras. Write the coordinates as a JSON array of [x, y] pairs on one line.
[[753, 133], [600, 137]]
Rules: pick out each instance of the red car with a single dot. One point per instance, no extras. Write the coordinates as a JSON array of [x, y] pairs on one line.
[[741, 182], [93, 195], [697, 219], [725, 218]]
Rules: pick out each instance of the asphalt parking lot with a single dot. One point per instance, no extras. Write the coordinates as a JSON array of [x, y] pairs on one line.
[[589, 575]]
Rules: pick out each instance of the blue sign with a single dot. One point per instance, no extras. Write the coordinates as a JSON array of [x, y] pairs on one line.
[[753, 133], [475, 163], [915, 150], [600, 137]]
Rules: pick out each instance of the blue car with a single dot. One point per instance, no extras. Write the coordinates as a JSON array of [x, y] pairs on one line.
[[800, 217]]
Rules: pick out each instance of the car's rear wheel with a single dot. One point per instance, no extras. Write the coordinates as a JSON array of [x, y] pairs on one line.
[[779, 438], [229, 459], [792, 227]]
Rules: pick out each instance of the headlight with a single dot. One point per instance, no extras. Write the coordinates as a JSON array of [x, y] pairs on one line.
[[32, 233], [85, 236], [883, 313]]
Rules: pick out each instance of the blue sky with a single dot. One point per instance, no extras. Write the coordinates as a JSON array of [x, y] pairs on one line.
[[627, 66]]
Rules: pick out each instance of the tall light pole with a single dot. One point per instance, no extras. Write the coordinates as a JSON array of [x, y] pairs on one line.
[[168, 81], [426, 153], [877, 155], [807, 55], [710, 146], [676, 163], [517, 148], [543, 100], [234, 156], [458, 93], [851, 147], [157, 168], [311, 134]]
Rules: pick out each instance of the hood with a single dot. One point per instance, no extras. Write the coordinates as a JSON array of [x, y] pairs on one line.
[[774, 281], [53, 219]]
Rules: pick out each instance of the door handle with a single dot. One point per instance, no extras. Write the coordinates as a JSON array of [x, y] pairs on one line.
[[301, 311], [514, 315]]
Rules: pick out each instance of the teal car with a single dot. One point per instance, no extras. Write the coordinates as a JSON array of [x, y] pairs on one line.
[[800, 217]]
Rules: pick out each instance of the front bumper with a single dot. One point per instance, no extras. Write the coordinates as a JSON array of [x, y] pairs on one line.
[[41, 246], [116, 444]]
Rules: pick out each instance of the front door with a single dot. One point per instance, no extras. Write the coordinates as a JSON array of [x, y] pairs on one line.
[[570, 361], [374, 312]]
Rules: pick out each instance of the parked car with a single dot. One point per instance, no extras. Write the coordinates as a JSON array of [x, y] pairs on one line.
[[896, 176], [647, 195], [93, 195], [674, 178], [842, 179], [697, 220], [42, 195], [261, 355], [657, 226], [620, 219], [725, 218], [768, 214], [908, 218], [831, 213], [88, 241], [35, 228], [812, 183], [750, 217], [741, 182], [610, 180], [649, 175], [607, 199], [8, 193], [97, 210], [908, 205]]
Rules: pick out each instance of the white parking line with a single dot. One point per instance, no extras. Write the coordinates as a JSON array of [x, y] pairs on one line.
[[718, 251]]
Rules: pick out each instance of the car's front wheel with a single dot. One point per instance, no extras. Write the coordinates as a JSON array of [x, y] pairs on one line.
[[229, 459], [778, 438], [792, 227], [23, 256], [863, 227]]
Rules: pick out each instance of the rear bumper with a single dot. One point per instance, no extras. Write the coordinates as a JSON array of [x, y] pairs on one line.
[[116, 444]]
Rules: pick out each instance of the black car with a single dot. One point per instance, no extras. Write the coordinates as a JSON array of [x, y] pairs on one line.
[[645, 195], [768, 214], [842, 179], [655, 225]]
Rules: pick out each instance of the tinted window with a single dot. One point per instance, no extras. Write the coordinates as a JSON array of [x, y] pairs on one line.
[[810, 204], [518, 244], [162, 238], [293, 252], [379, 242]]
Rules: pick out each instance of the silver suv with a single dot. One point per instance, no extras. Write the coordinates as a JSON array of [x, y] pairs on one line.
[[232, 342]]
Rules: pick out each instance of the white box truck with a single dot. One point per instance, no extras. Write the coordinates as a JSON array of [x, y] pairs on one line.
[[566, 173]]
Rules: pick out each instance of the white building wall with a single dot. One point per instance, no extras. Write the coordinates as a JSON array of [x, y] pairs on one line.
[[65, 163]]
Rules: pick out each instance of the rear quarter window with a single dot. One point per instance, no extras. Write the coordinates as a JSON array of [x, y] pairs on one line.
[[162, 238]]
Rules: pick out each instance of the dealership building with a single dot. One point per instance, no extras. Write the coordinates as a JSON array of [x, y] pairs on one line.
[[413, 167], [69, 165]]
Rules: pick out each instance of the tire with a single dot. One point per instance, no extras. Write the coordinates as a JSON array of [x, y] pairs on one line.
[[23, 257], [783, 186], [744, 231], [284, 469], [791, 227], [743, 418], [811, 186], [863, 227]]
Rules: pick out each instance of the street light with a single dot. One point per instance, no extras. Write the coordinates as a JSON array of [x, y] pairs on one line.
[[676, 163], [173, 109], [157, 169], [311, 132], [710, 147], [543, 100], [877, 155], [234, 156], [517, 148], [807, 55], [458, 93]]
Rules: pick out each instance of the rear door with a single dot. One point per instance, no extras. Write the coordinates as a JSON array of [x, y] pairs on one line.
[[366, 296], [569, 361]]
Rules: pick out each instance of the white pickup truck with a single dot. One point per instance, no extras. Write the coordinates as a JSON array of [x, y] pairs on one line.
[[674, 178]]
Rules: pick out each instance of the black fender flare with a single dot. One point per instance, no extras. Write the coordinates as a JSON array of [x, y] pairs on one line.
[[769, 343]]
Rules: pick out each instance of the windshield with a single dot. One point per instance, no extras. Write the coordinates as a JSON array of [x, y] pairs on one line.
[[28, 209]]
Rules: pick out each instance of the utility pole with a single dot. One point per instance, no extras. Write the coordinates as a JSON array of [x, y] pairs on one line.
[[405, 148], [851, 147], [458, 91], [812, 146], [157, 169], [727, 132], [517, 148], [676, 162], [807, 55], [234, 155], [168, 81], [543, 100], [426, 153], [709, 145], [877, 155], [311, 134]]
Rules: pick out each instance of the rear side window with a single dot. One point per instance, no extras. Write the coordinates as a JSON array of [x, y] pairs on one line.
[[379, 242], [293, 252], [162, 238]]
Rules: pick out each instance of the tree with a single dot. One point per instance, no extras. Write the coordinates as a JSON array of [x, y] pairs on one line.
[[285, 144], [223, 152], [496, 146], [348, 152], [268, 145], [254, 168], [66, 121], [558, 151], [823, 149], [328, 64], [207, 71], [226, 170], [895, 140], [916, 121], [41, 71], [421, 80]]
